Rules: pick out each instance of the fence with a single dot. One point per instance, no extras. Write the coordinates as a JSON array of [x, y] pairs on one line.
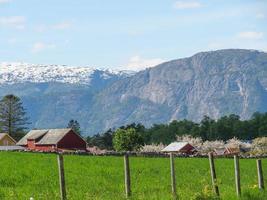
[[172, 175]]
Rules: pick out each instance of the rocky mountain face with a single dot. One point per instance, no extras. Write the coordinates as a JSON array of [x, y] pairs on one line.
[[209, 83]]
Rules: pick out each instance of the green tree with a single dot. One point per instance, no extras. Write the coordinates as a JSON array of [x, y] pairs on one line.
[[13, 118], [127, 140], [102, 141], [74, 125]]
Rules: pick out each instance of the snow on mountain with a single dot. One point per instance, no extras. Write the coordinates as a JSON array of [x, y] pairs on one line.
[[11, 73]]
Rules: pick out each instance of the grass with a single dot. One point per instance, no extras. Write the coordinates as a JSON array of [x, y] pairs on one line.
[[25, 175]]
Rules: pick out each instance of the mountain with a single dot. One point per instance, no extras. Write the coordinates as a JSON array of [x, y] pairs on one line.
[[54, 94], [212, 83]]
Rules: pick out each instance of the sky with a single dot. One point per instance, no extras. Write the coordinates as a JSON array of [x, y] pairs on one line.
[[126, 34]]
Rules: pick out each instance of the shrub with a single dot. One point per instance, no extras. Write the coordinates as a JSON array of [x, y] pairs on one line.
[[127, 140]]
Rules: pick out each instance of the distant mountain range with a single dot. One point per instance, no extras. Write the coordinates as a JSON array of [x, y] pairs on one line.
[[212, 83]]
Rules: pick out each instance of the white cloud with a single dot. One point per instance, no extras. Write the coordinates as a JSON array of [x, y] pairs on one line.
[[60, 26], [137, 63], [17, 22], [41, 28], [260, 16], [250, 35], [187, 4], [5, 1], [12, 40], [40, 46], [63, 25]]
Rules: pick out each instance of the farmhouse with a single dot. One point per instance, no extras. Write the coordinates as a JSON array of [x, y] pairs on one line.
[[6, 140], [53, 140], [226, 151], [179, 147]]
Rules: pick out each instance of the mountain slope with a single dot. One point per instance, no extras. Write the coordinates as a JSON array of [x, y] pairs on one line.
[[209, 83], [52, 95]]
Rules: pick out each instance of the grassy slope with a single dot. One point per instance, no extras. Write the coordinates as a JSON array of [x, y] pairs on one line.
[[24, 175]]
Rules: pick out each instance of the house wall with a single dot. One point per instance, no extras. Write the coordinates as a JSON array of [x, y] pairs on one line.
[[72, 141], [45, 148], [31, 144], [187, 149], [7, 141]]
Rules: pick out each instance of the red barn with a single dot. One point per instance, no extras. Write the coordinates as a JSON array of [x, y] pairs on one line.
[[53, 140], [179, 147]]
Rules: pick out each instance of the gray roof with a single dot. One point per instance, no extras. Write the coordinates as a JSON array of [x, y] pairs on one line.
[[33, 134], [175, 147], [49, 136], [53, 136]]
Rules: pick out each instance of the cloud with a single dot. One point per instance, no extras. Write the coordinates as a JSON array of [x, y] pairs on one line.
[[40, 46], [187, 4], [250, 35], [260, 16], [137, 63], [62, 26], [12, 41], [17, 22], [41, 28], [5, 1]]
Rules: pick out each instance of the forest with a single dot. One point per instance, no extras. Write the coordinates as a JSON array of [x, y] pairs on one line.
[[224, 128]]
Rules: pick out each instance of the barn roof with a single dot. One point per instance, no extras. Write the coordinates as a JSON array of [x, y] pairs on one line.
[[175, 146], [53, 136], [49, 136], [33, 134], [2, 135]]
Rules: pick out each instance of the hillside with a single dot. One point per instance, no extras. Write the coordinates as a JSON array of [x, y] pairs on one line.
[[209, 83], [54, 94]]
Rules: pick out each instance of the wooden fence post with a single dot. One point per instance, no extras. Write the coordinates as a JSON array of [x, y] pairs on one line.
[[213, 174], [61, 177], [127, 176], [173, 180], [260, 175], [237, 175]]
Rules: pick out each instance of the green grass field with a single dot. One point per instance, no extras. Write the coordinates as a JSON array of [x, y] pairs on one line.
[[25, 175]]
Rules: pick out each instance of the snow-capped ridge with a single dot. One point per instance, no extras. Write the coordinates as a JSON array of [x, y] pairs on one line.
[[19, 72]]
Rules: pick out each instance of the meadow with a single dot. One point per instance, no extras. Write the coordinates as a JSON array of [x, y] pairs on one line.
[[25, 175]]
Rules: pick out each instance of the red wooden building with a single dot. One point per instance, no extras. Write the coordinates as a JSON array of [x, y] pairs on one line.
[[53, 140], [180, 147]]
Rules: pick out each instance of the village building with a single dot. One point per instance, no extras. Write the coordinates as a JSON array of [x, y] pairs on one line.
[[7, 143], [180, 147], [50, 140], [226, 151], [6, 140]]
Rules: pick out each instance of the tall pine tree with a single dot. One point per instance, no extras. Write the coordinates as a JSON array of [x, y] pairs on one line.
[[74, 125], [13, 118]]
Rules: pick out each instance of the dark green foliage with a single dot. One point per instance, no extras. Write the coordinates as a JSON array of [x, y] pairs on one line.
[[224, 128], [74, 125], [127, 140], [13, 118], [103, 141]]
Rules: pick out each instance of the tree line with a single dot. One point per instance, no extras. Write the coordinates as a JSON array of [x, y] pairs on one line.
[[224, 128]]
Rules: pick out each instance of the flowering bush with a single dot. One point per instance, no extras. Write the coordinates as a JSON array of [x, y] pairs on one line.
[[152, 148]]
